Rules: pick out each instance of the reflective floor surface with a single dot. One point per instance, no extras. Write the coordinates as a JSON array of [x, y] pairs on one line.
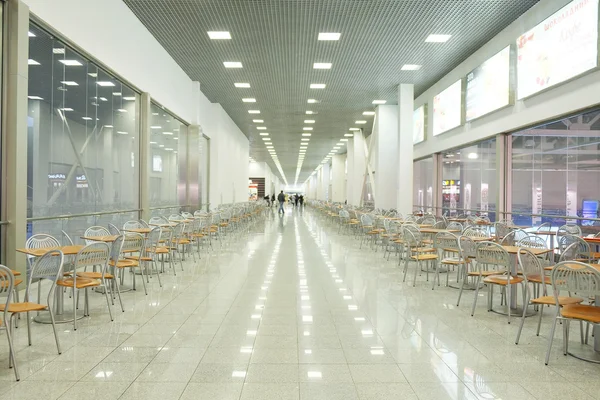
[[294, 310]]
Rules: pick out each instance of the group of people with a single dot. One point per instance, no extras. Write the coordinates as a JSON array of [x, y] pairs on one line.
[[296, 200]]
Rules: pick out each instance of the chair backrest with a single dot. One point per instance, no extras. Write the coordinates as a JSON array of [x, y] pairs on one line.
[[409, 238], [7, 284], [154, 237], [513, 237], [156, 221], [445, 241], [187, 215], [545, 227], [575, 277], [532, 242], [41, 240], [467, 247], [95, 231], [474, 232], [67, 239], [502, 230], [133, 243], [366, 220], [428, 220], [492, 253], [115, 249], [530, 265], [175, 217], [96, 253], [144, 223], [583, 248], [132, 225], [455, 226], [440, 225], [114, 230], [49, 266], [569, 229]]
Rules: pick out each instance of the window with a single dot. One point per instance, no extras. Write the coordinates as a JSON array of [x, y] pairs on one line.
[[423, 185], [555, 171], [167, 141], [469, 180], [83, 137]]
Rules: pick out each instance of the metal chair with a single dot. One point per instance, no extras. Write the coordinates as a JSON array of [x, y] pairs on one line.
[[513, 237], [468, 252], [501, 230], [113, 230], [130, 257], [445, 243], [132, 225], [7, 289], [95, 231]]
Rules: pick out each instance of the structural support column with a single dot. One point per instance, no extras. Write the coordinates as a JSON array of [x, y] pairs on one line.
[[145, 115], [338, 169], [386, 161], [357, 164], [323, 182], [405, 147], [15, 133]]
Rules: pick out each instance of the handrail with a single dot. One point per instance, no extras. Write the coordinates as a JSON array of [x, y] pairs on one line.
[[510, 213], [68, 216]]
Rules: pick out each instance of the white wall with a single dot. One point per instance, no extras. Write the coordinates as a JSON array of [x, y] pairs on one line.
[[564, 99], [110, 32]]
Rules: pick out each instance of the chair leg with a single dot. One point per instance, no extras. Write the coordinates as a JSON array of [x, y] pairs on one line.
[[462, 287], [143, 281], [54, 329], [551, 339], [156, 270], [118, 290], [75, 297], [476, 295], [523, 317], [107, 299], [541, 310], [566, 336], [11, 358]]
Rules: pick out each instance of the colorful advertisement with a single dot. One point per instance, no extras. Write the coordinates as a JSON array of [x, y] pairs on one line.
[[558, 49], [447, 109], [488, 86], [419, 124]]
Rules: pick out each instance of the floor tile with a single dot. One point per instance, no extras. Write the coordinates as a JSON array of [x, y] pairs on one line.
[[270, 391], [272, 373], [212, 391], [154, 391], [376, 373]]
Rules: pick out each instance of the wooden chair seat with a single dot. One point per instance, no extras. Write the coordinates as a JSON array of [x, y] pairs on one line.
[[224, 224], [424, 249], [15, 272], [158, 250], [502, 279], [82, 283], [452, 261], [181, 241], [198, 235], [483, 273], [353, 223], [23, 307], [562, 300], [425, 257], [125, 263], [374, 232], [94, 275], [16, 282], [582, 312], [143, 258], [537, 278]]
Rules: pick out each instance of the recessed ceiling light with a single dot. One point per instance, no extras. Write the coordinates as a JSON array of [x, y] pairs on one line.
[[306, 134], [87, 118], [307, 128], [167, 133], [31, 34], [69, 83], [354, 129], [438, 38], [119, 94], [410, 67], [32, 62], [309, 121], [105, 83], [232, 64], [93, 74], [360, 122], [103, 99], [317, 86], [219, 35], [305, 139], [35, 98], [270, 147], [322, 65], [266, 139], [369, 113], [129, 98], [329, 36], [349, 134], [58, 50], [264, 134], [71, 63], [249, 100], [311, 101], [343, 140], [261, 128], [156, 127], [125, 133], [253, 111], [379, 101], [122, 110], [67, 109], [241, 85], [258, 120]]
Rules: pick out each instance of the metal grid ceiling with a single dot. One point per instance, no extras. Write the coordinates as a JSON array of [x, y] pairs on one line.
[[276, 41]]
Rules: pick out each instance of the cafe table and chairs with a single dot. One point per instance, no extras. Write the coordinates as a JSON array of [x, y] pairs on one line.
[[7, 289], [129, 258], [448, 254], [153, 249]]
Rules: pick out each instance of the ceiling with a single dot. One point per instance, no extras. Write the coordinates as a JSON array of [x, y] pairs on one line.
[[276, 42]]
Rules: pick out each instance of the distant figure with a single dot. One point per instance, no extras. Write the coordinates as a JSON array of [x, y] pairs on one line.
[[302, 200], [296, 199], [273, 199], [268, 200], [281, 199]]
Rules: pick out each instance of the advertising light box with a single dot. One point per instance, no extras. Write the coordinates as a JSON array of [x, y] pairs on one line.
[[488, 86], [558, 49], [419, 124], [447, 109]]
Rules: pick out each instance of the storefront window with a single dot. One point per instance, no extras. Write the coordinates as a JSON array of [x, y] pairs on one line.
[[83, 137], [167, 142], [469, 184], [423, 185], [555, 171]]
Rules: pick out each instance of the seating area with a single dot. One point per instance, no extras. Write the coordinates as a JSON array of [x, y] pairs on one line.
[[530, 268]]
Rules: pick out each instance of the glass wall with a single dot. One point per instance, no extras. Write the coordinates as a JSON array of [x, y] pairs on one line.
[[423, 186], [167, 143], [555, 171], [469, 180], [83, 139]]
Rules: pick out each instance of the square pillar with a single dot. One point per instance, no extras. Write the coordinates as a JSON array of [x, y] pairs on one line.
[[338, 169], [386, 164], [406, 105]]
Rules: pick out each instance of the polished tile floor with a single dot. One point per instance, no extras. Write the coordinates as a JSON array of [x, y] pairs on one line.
[[293, 310]]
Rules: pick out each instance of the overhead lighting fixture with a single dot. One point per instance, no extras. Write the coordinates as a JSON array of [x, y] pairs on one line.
[[473, 156], [360, 122], [71, 63], [438, 38], [34, 98], [311, 101], [32, 62], [261, 128], [349, 134], [105, 83], [369, 113], [306, 134], [93, 74], [329, 36], [66, 109], [103, 99], [258, 121], [307, 128], [119, 94], [167, 133], [122, 110], [215, 35], [69, 83], [317, 86], [58, 50], [242, 85], [343, 140], [309, 112], [122, 133], [249, 100], [129, 98], [161, 145], [354, 129], [322, 65], [266, 139], [410, 67], [379, 101], [168, 149], [309, 121], [270, 147], [87, 118], [232, 64], [253, 111], [264, 134], [305, 139], [31, 34], [156, 127]]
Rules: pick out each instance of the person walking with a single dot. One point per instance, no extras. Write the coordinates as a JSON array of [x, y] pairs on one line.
[[281, 199], [273, 199], [301, 201], [296, 199]]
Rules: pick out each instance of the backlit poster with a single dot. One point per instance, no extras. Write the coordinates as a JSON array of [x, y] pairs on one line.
[[558, 49], [488, 86], [447, 109], [419, 124]]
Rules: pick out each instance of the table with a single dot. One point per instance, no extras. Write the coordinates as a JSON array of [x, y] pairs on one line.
[[550, 234], [105, 239], [436, 230], [143, 231], [169, 225], [59, 314]]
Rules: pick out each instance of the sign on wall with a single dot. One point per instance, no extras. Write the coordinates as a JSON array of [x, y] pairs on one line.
[[488, 86], [559, 48], [447, 109], [419, 124]]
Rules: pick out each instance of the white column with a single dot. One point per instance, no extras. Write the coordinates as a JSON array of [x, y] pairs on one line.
[[405, 147], [350, 171], [386, 160], [338, 168], [325, 173], [357, 165]]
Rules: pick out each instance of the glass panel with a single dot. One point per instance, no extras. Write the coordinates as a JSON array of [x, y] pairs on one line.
[[83, 135], [204, 170], [555, 172], [165, 145], [423, 185], [469, 180]]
